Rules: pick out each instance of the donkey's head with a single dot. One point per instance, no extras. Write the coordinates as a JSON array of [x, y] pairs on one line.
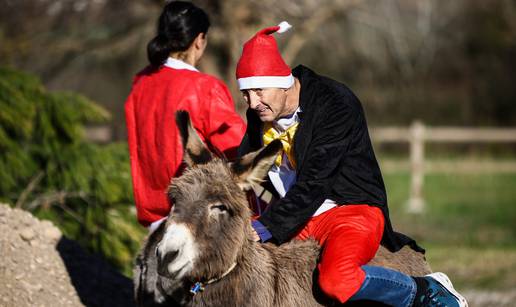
[[210, 220]]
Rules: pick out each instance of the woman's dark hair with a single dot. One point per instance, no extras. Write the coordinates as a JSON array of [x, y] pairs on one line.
[[178, 26]]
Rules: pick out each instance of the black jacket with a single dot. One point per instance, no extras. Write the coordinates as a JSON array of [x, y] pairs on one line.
[[334, 159]]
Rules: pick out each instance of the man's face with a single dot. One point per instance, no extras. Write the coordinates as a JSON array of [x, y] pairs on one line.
[[269, 103]]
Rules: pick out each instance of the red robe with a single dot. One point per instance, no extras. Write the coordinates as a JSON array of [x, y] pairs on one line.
[[155, 146]]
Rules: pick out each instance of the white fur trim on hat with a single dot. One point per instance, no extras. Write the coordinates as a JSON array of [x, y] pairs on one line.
[[265, 82]]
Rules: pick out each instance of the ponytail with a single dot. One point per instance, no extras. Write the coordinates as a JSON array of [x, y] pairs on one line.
[[158, 50]]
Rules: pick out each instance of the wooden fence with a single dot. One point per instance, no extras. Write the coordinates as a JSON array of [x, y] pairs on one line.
[[418, 134]]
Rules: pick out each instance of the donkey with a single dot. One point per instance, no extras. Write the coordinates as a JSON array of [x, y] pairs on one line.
[[204, 253]]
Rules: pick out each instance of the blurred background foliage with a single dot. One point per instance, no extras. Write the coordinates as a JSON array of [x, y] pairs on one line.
[[49, 169], [448, 63], [444, 62]]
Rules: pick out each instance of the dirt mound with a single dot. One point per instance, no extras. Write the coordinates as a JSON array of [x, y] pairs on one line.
[[39, 267]]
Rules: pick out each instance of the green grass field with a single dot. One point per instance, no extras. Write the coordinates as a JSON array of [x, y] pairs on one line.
[[468, 227]]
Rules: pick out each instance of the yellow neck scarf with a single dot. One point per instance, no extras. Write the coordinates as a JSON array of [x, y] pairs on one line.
[[286, 138]]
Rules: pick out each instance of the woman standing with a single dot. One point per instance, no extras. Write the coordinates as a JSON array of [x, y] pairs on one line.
[[170, 83]]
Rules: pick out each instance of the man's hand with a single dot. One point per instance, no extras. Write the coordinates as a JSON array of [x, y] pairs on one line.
[[260, 232], [255, 235]]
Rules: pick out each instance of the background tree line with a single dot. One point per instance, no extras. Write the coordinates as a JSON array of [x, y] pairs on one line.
[[445, 62]]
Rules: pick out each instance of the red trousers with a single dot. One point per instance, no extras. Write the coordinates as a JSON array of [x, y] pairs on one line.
[[349, 236]]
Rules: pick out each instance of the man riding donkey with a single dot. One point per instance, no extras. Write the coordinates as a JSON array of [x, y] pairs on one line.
[[327, 179]]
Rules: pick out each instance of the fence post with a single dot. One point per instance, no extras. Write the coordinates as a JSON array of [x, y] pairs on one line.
[[416, 203]]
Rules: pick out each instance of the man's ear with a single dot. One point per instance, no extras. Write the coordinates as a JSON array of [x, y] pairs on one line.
[[195, 152], [253, 167]]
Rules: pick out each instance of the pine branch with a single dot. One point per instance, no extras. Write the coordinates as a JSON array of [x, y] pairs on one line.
[[30, 187]]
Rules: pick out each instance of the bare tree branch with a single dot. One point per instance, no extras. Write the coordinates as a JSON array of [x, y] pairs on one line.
[[54, 197], [314, 22]]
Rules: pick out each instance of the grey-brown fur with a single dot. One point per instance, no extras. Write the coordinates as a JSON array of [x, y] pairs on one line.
[[209, 199]]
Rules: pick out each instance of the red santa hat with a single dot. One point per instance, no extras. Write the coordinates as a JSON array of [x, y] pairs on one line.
[[261, 64]]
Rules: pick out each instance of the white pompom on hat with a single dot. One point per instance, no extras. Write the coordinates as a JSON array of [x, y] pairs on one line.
[[261, 64]]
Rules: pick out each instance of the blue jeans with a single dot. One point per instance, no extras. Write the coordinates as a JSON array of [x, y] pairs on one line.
[[386, 286]]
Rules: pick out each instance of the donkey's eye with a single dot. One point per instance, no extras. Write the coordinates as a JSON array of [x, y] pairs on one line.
[[219, 208]]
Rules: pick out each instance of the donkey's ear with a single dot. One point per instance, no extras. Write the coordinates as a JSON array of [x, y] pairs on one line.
[[195, 152], [252, 168]]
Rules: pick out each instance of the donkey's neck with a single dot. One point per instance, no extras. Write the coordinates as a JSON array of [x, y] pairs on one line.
[[250, 283]]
